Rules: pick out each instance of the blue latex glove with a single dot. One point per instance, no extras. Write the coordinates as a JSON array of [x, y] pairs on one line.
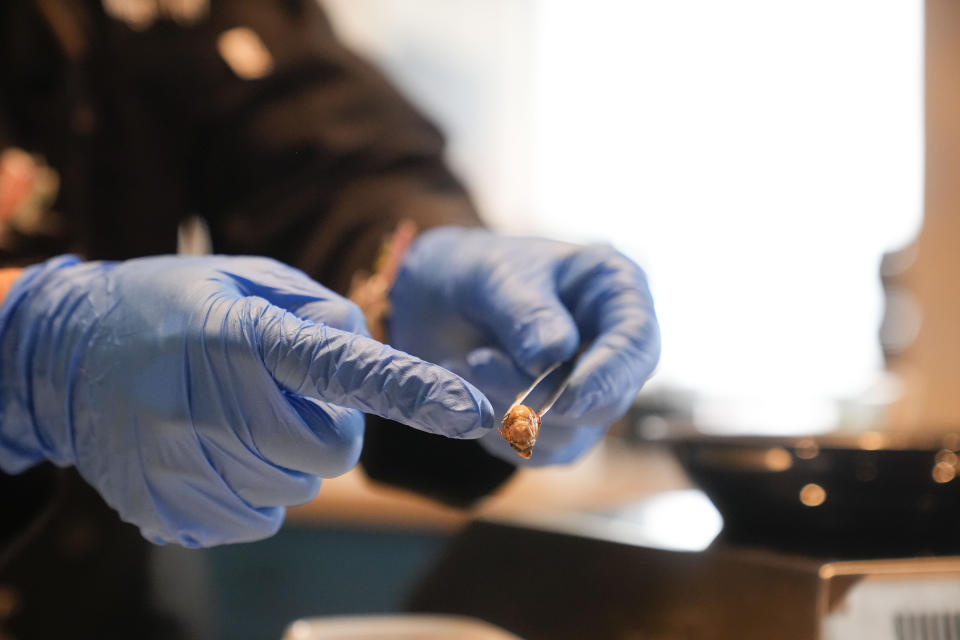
[[499, 310], [201, 395]]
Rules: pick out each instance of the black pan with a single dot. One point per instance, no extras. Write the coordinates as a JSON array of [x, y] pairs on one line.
[[863, 496]]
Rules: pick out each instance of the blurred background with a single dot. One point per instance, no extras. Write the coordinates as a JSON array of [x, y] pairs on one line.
[[784, 173]]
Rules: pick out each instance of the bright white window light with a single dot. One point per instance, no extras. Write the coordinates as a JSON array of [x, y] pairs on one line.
[[757, 158]]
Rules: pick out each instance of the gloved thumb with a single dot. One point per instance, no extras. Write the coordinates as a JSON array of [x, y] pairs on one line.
[[356, 372]]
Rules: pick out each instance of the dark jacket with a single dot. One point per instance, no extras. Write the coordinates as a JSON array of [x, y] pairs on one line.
[[313, 164]]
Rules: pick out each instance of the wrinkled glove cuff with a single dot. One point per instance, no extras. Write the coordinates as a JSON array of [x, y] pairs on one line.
[[20, 445]]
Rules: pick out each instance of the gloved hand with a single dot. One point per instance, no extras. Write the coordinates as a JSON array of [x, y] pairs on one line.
[[201, 395], [499, 310]]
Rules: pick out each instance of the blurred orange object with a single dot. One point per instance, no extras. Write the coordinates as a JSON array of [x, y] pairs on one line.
[[18, 173], [28, 188]]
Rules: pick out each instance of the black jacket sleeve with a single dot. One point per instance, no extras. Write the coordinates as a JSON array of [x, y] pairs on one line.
[[312, 163]]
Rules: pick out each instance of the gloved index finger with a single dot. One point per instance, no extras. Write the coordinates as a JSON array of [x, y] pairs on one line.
[[357, 372]]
